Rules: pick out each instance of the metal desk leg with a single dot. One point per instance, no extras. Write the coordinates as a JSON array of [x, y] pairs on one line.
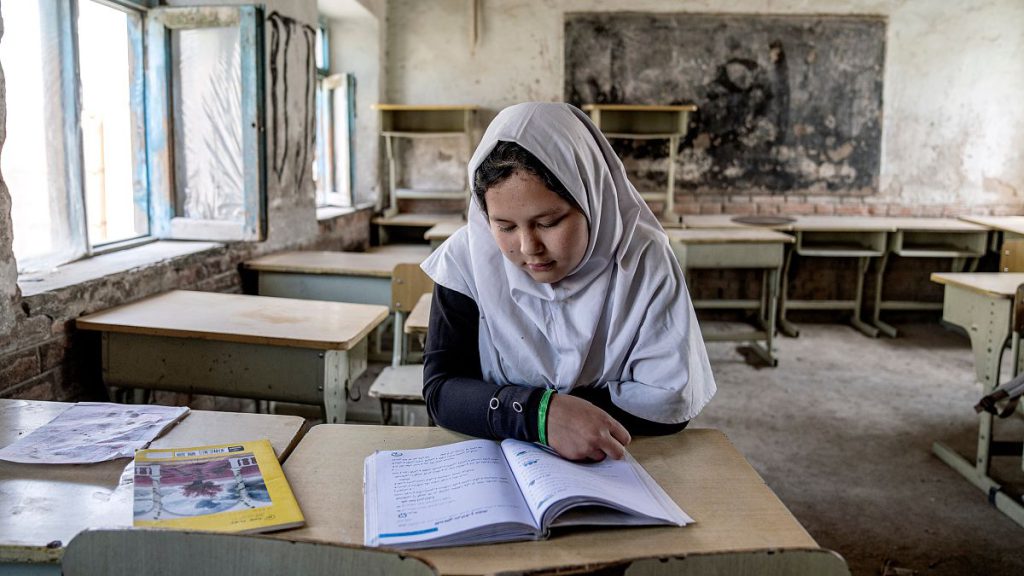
[[398, 339], [787, 328], [987, 322], [771, 288], [862, 268], [886, 328]]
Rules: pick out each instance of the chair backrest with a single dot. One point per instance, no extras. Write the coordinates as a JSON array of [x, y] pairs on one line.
[[408, 283], [130, 552], [784, 562], [1011, 256]]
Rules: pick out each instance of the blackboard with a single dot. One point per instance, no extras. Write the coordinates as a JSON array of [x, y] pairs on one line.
[[787, 104]]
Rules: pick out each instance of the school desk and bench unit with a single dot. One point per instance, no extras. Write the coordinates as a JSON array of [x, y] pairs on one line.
[[43, 506], [258, 347], [863, 239], [354, 277], [745, 248], [990, 308]]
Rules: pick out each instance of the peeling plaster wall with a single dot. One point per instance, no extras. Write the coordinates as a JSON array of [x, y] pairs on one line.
[[952, 132], [43, 357]]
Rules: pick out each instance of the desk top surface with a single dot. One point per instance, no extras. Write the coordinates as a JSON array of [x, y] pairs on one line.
[[242, 318], [443, 231], [424, 107], [419, 318], [45, 503], [1013, 224], [732, 507], [376, 262], [726, 221], [999, 284], [748, 235], [417, 220], [840, 224], [642, 107]]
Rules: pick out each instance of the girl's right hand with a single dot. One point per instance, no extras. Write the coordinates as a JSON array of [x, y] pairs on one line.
[[578, 430]]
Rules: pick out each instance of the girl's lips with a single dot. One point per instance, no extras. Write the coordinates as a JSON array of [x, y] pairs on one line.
[[540, 267]]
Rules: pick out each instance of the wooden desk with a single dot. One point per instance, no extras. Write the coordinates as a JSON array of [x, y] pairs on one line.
[[441, 232], [356, 277], [699, 469], [859, 237], [237, 345], [43, 506], [419, 318], [719, 221], [404, 121], [647, 122], [1007, 239], [963, 242], [738, 248], [983, 304]]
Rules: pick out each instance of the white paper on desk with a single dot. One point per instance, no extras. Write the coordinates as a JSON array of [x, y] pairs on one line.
[[94, 432]]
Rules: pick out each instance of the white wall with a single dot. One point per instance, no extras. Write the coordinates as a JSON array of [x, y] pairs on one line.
[[953, 126], [356, 48]]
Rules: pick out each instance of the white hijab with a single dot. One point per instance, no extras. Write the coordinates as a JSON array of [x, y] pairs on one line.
[[622, 319]]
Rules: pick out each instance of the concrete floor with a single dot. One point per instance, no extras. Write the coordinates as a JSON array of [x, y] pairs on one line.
[[842, 431]]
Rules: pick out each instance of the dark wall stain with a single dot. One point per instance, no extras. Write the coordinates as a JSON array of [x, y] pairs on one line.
[[281, 52], [786, 103]]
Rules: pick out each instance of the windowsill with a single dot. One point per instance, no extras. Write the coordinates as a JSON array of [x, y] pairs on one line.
[[108, 264], [331, 212]]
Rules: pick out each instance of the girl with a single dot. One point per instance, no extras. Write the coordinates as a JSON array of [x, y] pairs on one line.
[[559, 313]]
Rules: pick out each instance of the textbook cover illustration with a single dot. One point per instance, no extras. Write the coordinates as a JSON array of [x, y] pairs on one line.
[[480, 491], [224, 488]]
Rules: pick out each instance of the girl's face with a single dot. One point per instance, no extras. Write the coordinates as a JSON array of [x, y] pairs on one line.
[[536, 229]]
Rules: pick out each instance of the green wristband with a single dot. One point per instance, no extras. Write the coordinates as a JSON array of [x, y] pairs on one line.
[[542, 416]]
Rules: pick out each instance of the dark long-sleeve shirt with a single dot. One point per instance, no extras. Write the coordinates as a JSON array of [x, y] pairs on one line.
[[459, 399]]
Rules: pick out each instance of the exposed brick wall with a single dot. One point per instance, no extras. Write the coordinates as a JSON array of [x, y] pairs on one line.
[[800, 205], [45, 358]]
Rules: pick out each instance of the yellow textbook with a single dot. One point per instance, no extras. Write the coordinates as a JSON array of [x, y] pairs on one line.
[[236, 487]]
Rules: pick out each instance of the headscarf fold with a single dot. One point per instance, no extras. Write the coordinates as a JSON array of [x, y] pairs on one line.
[[622, 318]]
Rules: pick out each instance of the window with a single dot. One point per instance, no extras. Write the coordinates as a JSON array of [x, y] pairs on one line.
[[335, 113], [94, 105]]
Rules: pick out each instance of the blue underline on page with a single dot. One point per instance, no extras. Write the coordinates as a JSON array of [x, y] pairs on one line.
[[414, 533]]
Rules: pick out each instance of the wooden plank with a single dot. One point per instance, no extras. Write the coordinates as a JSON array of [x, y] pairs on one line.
[[375, 262], [443, 231], [728, 235], [242, 318], [399, 384], [998, 284], [1012, 224], [642, 107], [699, 468], [419, 318], [727, 221], [424, 107], [408, 284], [417, 220], [1011, 256]]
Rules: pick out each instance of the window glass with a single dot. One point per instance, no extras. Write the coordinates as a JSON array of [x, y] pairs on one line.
[[207, 117], [33, 155], [107, 140]]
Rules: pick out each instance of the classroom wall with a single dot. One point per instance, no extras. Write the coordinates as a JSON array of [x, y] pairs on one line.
[[952, 134], [357, 48], [43, 357]]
